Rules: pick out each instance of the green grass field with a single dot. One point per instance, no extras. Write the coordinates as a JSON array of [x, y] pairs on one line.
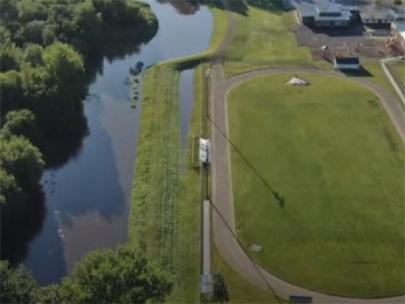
[[166, 196], [263, 38], [398, 71], [330, 150], [165, 213], [239, 289]]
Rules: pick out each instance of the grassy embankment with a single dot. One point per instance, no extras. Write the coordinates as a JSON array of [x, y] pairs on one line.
[[165, 211], [331, 152], [263, 38], [398, 71]]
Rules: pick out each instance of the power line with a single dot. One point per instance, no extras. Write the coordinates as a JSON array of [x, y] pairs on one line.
[[275, 193], [228, 227]]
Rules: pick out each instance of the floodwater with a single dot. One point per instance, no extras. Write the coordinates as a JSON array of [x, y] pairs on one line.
[[87, 199], [186, 103]]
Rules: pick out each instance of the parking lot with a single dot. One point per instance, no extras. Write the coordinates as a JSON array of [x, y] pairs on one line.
[[351, 41]]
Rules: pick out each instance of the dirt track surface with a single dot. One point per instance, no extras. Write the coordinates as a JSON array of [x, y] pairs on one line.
[[222, 197]]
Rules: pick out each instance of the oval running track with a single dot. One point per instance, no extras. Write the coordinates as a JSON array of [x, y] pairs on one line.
[[222, 195]]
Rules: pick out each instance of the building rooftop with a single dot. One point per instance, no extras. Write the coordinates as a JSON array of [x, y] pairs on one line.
[[306, 9], [323, 11], [377, 12], [399, 27], [347, 60], [328, 9]]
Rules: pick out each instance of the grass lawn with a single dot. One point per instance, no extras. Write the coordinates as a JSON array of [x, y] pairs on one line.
[[330, 150], [154, 212], [262, 38], [240, 290], [166, 197], [165, 213], [398, 71], [220, 28], [378, 76]]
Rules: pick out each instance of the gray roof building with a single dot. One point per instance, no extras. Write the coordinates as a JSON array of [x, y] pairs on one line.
[[324, 14]]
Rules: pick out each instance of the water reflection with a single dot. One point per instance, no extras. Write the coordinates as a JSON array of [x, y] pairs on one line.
[[87, 198], [183, 7], [186, 103], [20, 226], [46, 252]]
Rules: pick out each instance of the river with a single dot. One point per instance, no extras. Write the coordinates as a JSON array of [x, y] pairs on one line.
[[87, 199]]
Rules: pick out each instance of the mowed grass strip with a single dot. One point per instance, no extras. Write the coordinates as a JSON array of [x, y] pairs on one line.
[[398, 71], [262, 37], [157, 166], [164, 216], [239, 289], [165, 211], [331, 152]]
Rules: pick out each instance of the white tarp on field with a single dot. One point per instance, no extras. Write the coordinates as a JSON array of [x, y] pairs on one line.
[[295, 81]]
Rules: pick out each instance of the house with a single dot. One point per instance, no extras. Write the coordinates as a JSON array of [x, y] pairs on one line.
[[346, 63], [324, 14], [330, 14], [381, 15]]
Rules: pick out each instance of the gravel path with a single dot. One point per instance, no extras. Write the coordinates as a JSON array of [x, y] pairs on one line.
[[222, 198]]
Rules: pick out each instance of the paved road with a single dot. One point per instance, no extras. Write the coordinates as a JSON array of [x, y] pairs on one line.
[[391, 78], [223, 219]]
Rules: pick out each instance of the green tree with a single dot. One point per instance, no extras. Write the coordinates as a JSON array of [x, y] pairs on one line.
[[10, 57], [29, 10], [5, 35], [22, 122], [33, 55], [65, 66], [49, 34], [8, 10], [11, 94], [51, 294], [220, 291], [16, 285], [21, 159], [36, 83], [8, 187], [115, 276], [88, 25], [31, 32]]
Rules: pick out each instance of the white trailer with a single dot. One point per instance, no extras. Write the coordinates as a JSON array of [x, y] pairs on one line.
[[204, 152]]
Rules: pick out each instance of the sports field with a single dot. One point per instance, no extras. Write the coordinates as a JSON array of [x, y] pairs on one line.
[[323, 192]]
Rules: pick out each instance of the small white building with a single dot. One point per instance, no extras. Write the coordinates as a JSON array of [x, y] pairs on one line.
[[204, 152], [346, 63]]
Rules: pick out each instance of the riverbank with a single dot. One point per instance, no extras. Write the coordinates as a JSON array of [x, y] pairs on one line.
[[52, 102], [165, 209]]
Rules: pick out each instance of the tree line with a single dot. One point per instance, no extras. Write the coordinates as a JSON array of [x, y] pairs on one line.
[[46, 51], [104, 276], [50, 51]]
